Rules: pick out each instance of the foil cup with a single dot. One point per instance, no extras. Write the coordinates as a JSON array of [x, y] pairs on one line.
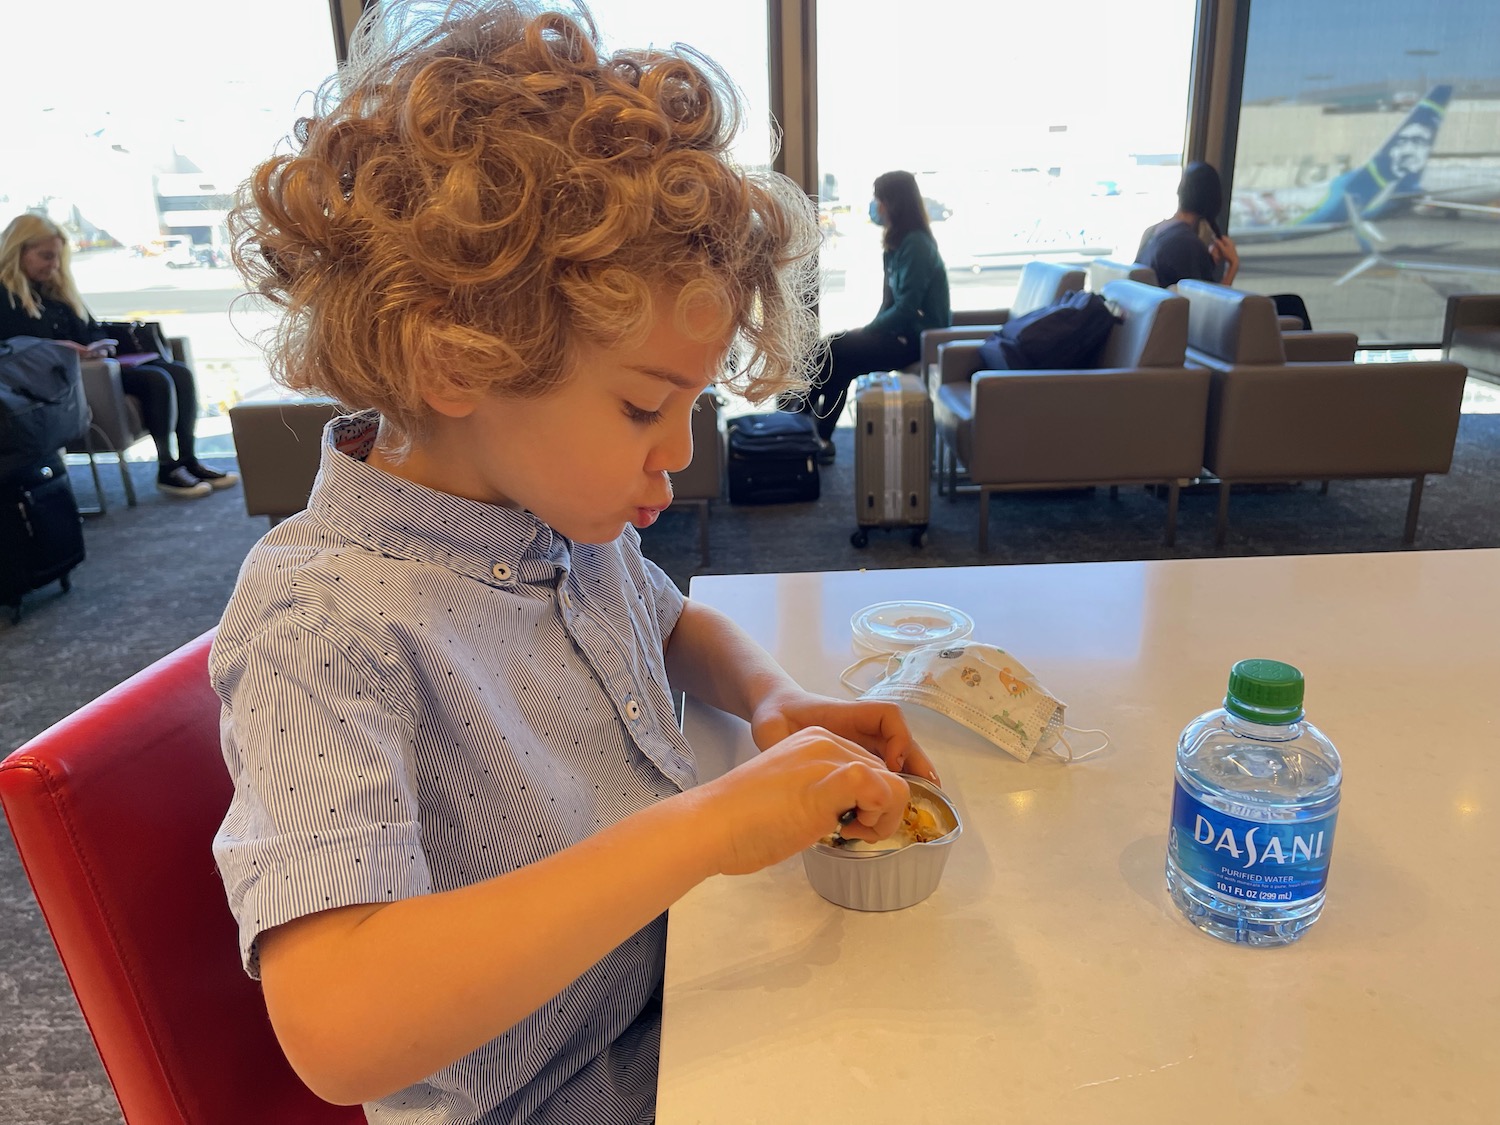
[[886, 880]]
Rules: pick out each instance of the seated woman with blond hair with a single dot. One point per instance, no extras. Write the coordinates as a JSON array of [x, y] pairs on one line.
[[38, 297]]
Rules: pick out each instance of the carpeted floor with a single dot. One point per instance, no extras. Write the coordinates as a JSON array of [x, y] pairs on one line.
[[158, 575]]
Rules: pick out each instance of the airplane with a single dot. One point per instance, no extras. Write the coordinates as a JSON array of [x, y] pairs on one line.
[[1446, 278], [1389, 179], [1453, 192]]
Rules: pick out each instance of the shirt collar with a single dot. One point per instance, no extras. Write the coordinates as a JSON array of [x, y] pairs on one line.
[[407, 520]]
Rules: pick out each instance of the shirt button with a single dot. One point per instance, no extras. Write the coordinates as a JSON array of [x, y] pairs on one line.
[[501, 572], [632, 710]]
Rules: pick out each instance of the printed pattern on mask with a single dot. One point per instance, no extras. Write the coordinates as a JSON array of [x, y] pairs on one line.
[[982, 687]]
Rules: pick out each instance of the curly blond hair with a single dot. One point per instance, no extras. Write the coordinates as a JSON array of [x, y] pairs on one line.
[[481, 187]]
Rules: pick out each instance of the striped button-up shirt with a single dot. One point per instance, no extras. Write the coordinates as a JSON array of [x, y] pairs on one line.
[[421, 692]]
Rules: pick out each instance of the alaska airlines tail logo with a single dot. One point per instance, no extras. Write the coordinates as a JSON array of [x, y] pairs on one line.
[[1403, 157], [1395, 171], [1391, 177]]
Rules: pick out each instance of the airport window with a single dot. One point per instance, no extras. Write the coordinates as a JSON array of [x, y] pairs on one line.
[[1367, 166], [1034, 131], [136, 148]]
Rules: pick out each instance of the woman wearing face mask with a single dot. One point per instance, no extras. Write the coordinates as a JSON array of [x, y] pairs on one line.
[[38, 297], [915, 298]]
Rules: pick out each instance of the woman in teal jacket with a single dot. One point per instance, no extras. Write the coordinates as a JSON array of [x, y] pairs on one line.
[[915, 298]]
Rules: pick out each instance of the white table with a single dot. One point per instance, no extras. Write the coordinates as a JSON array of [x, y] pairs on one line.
[[1050, 978]]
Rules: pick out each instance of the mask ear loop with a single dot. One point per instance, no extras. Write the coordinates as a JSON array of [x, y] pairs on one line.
[[1072, 757], [854, 688]]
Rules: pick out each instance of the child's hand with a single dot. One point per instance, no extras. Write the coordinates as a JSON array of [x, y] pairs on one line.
[[878, 727], [787, 798]]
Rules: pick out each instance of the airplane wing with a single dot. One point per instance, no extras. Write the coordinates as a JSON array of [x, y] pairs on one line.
[[1446, 205], [1435, 274]]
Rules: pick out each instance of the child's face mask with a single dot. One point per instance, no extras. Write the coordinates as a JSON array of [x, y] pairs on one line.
[[985, 688]]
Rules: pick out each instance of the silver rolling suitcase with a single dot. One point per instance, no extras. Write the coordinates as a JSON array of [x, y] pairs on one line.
[[892, 455]]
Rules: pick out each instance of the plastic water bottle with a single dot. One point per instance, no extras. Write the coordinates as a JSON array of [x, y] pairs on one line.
[[1253, 811]]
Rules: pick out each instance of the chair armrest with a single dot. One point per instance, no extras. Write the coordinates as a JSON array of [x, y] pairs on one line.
[[111, 416], [1470, 310], [703, 479], [1319, 347], [974, 318], [279, 445], [1320, 420], [957, 362], [1090, 426], [182, 350], [934, 338]]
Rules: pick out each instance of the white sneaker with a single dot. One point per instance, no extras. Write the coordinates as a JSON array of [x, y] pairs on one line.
[[181, 483]]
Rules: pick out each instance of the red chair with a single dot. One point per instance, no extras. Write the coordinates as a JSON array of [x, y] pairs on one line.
[[114, 810]]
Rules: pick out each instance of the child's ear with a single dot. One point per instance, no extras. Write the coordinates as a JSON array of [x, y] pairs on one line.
[[450, 406], [450, 397]]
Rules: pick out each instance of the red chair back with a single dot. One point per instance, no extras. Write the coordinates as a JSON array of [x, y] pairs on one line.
[[114, 810]]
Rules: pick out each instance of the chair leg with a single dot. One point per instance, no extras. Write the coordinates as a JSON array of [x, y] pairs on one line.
[[103, 507], [125, 477], [952, 472], [1174, 490], [1413, 506], [1221, 521], [984, 519], [1324, 490], [703, 532]]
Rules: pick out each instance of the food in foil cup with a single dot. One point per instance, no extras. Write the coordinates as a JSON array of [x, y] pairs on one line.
[[863, 878]]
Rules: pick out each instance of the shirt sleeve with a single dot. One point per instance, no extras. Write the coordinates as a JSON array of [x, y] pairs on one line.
[[667, 599], [1144, 247], [664, 600], [913, 265], [324, 812], [15, 321]]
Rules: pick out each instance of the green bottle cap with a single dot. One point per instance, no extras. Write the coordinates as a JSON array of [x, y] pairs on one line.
[[1264, 691]]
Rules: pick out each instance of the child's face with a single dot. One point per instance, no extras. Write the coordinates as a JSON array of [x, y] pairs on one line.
[[589, 457]]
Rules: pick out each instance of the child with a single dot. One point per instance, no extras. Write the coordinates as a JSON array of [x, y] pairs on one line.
[[462, 804]]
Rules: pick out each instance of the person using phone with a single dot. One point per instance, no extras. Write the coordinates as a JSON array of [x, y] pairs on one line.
[[38, 297], [1175, 248]]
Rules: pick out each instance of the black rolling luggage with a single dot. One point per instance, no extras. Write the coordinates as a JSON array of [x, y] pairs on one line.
[[41, 533], [773, 458]]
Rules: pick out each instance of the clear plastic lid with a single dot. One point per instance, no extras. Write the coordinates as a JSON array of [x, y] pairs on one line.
[[899, 626]]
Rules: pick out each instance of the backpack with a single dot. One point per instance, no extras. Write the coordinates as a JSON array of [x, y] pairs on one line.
[[42, 405], [1066, 335]]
